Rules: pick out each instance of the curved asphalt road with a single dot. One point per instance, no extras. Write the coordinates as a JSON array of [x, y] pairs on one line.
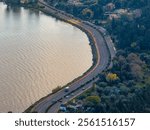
[[105, 52]]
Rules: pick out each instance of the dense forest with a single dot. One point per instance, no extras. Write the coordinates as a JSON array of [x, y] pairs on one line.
[[126, 86]]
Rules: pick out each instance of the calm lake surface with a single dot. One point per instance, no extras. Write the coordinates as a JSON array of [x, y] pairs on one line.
[[37, 54]]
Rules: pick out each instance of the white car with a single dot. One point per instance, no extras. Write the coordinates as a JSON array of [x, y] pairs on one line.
[[66, 89]]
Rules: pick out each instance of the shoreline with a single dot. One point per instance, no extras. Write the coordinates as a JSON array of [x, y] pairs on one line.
[[110, 52], [94, 56], [70, 19], [90, 42]]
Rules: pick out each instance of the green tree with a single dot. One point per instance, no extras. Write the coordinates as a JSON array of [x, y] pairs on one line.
[[93, 100]]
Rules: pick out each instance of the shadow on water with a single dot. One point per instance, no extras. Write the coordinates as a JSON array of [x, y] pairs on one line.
[[13, 9], [17, 12], [9, 10]]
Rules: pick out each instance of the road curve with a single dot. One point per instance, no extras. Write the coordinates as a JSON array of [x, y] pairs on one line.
[[105, 52]]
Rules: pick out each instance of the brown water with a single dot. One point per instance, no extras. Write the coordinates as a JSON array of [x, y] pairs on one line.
[[37, 54]]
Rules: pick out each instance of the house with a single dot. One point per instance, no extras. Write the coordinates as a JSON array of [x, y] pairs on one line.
[[109, 7], [137, 13], [63, 108]]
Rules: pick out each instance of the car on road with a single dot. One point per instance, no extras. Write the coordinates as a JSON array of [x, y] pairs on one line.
[[72, 94], [66, 89], [67, 96], [54, 101], [60, 100], [83, 88]]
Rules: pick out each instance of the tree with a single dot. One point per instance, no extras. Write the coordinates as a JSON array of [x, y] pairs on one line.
[[111, 77], [94, 100], [87, 13]]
